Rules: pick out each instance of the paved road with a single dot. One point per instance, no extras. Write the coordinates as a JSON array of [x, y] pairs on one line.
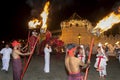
[[58, 72]]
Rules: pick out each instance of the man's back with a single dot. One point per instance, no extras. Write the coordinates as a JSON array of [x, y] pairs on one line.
[[73, 64]]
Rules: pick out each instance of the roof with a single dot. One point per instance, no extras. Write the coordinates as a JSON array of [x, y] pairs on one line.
[[75, 16]]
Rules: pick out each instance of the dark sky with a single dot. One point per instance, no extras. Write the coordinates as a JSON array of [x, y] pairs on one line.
[[16, 14]]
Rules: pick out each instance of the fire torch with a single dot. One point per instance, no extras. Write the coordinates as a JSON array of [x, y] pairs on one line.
[[103, 25]]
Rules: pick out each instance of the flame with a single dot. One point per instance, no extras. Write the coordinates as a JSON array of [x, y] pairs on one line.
[[117, 42], [44, 15], [106, 43], [33, 23], [107, 22]]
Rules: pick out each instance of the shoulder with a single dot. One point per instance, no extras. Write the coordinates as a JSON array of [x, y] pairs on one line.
[[15, 50], [10, 48], [45, 48], [75, 58], [3, 49]]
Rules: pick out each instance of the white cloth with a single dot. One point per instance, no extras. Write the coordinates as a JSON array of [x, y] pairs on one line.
[[103, 62], [6, 58], [6, 53], [47, 59], [102, 65], [103, 72], [82, 56], [5, 64]]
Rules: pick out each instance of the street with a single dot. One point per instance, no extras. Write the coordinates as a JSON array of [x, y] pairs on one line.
[[57, 69]]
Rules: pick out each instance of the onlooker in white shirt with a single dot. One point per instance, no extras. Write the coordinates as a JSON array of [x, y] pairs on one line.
[[47, 51], [6, 52]]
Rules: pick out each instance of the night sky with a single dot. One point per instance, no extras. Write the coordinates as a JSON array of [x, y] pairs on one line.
[[16, 14]]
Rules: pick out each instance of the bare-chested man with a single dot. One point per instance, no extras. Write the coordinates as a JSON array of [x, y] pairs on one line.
[[16, 61], [73, 63]]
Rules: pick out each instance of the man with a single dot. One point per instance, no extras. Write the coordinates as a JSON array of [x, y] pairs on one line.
[[81, 53], [47, 51], [73, 63], [32, 39], [16, 61], [6, 52], [48, 35], [101, 61]]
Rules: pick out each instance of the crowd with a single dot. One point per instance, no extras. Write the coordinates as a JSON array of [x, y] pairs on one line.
[[75, 58]]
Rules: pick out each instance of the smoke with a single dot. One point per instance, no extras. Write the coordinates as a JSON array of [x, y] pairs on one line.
[[115, 6], [59, 4], [55, 5], [35, 6]]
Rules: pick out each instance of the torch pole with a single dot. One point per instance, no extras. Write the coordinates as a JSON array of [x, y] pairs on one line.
[[28, 36], [89, 57], [28, 61], [25, 59]]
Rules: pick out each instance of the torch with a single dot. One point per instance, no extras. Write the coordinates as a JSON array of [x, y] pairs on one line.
[[103, 25], [28, 61], [32, 25]]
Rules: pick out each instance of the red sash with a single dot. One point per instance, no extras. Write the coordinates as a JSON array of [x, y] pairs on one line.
[[81, 57], [100, 57]]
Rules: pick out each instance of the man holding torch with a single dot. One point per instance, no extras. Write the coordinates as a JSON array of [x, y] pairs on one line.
[[16, 61], [73, 63]]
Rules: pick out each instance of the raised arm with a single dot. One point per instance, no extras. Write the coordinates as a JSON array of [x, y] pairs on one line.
[[20, 53]]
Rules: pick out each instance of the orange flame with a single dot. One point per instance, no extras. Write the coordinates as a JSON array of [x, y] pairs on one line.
[[33, 23], [107, 22], [44, 15], [117, 42]]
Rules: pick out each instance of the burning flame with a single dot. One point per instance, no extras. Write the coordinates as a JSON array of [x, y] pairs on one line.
[[107, 22], [44, 15], [106, 43], [117, 42], [33, 23]]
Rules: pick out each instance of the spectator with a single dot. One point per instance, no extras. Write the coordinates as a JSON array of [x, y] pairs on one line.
[[47, 51], [6, 52]]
